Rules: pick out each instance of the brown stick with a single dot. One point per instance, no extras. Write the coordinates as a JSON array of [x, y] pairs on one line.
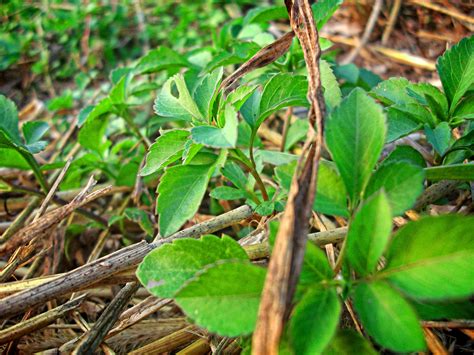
[[100, 269], [287, 258], [38, 322]]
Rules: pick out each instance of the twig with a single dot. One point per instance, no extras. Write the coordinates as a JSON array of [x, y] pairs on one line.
[[40, 321], [435, 192], [391, 21], [287, 257], [92, 339], [374, 15], [169, 342], [52, 190], [457, 15], [104, 267]]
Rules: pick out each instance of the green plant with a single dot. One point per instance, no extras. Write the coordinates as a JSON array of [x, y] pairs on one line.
[[385, 275], [207, 141]]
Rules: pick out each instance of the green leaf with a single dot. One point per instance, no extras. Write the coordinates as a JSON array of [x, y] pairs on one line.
[[159, 59], [276, 158], [355, 134], [349, 342], [323, 10], [429, 95], [33, 131], [229, 309], [452, 309], [265, 14], [92, 133], [166, 269], [456, 70], [402, 182], [405, 153], [235, 175], [296, 132], [369, 233], [9, 133], [331, 194], [463, 172], [250, 110], [388, 317], [176, 107], [180, 193], [315, 268], [11, 158], [400, 124], [464, 110], [227, 193], [266, 208], [426, 254], [393, 91], [282, 90], [206, 92], [166, 149], [314, 320], [439, 137], [332, 92], [211, 136]]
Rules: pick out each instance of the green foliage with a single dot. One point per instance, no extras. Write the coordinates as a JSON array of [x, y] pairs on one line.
[[456, 70], [165, 270], [180, 193], [388, 317], [369, 233], [206, 140], [355, 135], [240, 287], [424, 254], [322, 304]]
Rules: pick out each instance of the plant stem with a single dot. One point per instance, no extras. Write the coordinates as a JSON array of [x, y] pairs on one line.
[[254, 171], [128, 118], [251, 168]]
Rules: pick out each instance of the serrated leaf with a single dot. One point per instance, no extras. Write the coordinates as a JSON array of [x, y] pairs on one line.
[[400, 124], [266, 208], [230, 309], [331, 194], [166, 149], [429, 95], [355, 134], [439, 137], [393, 91], [176, 107], [158, 59], [206, 92], [401, 181], [369, 233], [227, 193], [432, 258], [315, 268], [314, 320], [265, 14], [9, 132], [33, 131], [180, 193], [456, 70], [349, 342], [332, 92], [463, 172], [211, 136], [166, 269], [388, 317], [323, 10], [282, 90]]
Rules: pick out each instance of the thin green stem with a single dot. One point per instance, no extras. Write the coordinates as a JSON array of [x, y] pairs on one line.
[[254, 171], [128, 118]]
